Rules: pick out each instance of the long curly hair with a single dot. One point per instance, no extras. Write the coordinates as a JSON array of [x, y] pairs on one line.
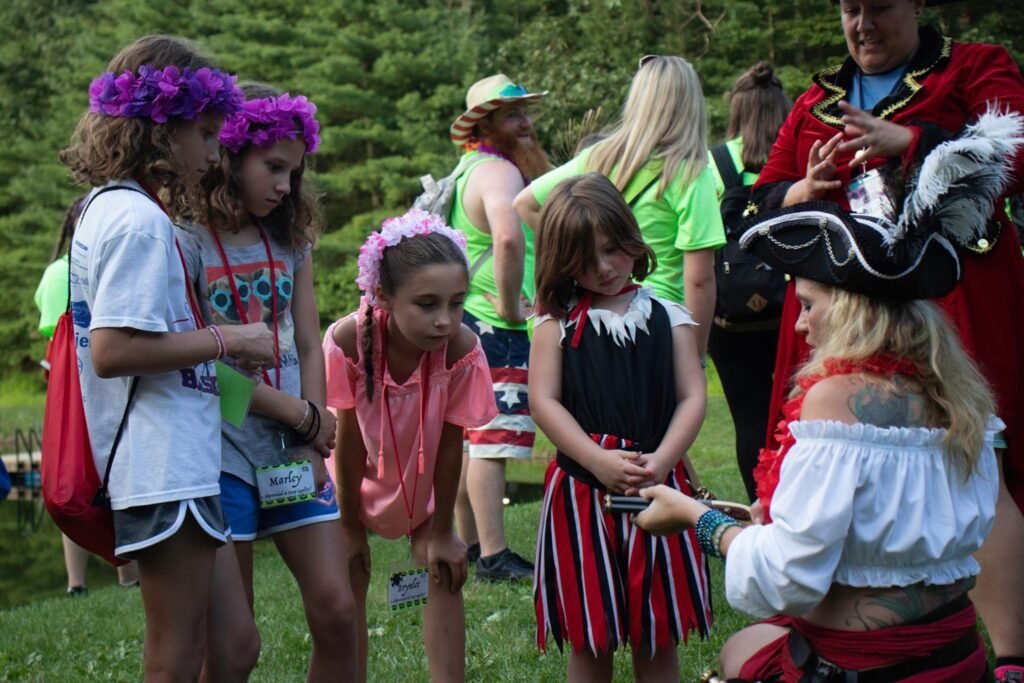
[[958, 398], [296, 221], [105, 148]]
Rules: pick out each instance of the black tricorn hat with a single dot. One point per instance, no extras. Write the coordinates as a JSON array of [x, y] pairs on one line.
[[822, 242], [948, 197]]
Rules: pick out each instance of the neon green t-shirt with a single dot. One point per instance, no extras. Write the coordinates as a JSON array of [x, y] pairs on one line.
[[684, 218], [52, 295], [477, 243], [735, 147]]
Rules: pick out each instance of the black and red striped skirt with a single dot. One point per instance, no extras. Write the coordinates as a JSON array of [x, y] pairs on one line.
[[601, 582]]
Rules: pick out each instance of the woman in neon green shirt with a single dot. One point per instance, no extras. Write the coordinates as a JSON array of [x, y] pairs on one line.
[[657, 157]]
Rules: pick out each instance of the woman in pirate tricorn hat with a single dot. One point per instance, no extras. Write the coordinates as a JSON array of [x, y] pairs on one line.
[[885, 480], [903, 86]]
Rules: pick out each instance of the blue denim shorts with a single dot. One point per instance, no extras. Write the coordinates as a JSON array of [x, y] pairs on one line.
[[241, 503]]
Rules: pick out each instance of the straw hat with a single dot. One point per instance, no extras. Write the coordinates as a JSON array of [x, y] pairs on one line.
[[485, 96]]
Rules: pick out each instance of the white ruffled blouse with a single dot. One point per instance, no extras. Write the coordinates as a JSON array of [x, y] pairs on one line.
[[622, 328], [861, 506]]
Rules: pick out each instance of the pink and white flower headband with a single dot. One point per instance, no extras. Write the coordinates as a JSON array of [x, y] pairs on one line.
[[266, 120], [392, 231]]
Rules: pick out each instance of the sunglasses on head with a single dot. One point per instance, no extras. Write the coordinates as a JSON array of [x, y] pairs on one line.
[[646, 59]]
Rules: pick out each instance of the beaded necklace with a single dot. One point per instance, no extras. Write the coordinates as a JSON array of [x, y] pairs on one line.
[[483, 148]]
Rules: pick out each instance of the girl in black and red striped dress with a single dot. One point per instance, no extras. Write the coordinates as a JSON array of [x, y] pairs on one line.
[[617, 386]]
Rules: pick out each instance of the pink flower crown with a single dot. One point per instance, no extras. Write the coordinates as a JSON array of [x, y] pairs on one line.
[[266, 120], [160, 94], [392, 231]]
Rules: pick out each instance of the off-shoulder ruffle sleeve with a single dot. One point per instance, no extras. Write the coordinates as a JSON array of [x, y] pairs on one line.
[[861, 505], [787, 566], [470, 391]]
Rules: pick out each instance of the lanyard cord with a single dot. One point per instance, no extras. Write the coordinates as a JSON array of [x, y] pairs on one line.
[[425, 374], [197, 318], [238, 298]]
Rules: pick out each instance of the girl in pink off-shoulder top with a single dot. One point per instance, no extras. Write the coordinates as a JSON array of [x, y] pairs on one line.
[[406, 376]]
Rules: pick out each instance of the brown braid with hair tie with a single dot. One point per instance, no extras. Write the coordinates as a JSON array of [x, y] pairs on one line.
[[368, 349]]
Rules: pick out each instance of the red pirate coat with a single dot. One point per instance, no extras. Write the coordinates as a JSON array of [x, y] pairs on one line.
[[946, 86]]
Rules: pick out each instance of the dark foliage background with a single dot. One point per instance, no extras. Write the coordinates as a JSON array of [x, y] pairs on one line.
[[388, 77]]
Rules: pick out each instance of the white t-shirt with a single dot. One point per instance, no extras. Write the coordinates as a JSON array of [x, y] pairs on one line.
[[126, 273]]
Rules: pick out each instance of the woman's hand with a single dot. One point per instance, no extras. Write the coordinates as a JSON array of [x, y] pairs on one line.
[[446, 550], [821, 173], [872, 136], [670, 511], [619, 471]]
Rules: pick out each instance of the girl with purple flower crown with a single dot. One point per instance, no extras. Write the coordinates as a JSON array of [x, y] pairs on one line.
[[145, 360], [406, 376], [248, 251]]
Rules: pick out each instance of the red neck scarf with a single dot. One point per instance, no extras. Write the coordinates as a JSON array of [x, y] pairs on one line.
[[579, 311], [769, 462]]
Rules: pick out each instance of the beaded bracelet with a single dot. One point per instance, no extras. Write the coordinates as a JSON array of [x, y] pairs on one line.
[[313, 430], [711, 527], [305, 416], [218, 336]]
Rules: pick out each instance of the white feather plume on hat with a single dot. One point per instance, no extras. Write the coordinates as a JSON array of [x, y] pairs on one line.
[[959, 181]]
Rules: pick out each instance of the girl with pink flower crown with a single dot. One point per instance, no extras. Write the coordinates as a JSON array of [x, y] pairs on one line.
[[146, 363], [249, 252], [406, 376]]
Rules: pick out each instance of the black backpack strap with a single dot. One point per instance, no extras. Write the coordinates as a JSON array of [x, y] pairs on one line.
[[726, 166], [102, 499]]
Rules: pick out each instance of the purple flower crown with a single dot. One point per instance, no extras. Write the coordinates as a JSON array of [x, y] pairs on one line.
[[392, 231], [265, 120], [161, 94]]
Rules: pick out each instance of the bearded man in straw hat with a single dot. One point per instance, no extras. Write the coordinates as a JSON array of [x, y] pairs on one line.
[[501, 156]]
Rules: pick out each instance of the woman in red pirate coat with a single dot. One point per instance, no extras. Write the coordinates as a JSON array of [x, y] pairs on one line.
[[903, 88], [889, 481]]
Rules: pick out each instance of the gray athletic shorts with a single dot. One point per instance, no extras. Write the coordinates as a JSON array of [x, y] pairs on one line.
[[140, 527]]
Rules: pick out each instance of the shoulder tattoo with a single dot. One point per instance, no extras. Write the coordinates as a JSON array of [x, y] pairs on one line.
[[875, 405]]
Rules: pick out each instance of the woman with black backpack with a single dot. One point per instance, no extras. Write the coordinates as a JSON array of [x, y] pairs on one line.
[[749, 293]]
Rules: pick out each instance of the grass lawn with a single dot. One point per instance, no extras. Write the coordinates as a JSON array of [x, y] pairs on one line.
[[100, 637]]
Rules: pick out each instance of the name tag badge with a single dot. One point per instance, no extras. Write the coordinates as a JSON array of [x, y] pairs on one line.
[[285, 484], [407, 586], [866, 194]]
